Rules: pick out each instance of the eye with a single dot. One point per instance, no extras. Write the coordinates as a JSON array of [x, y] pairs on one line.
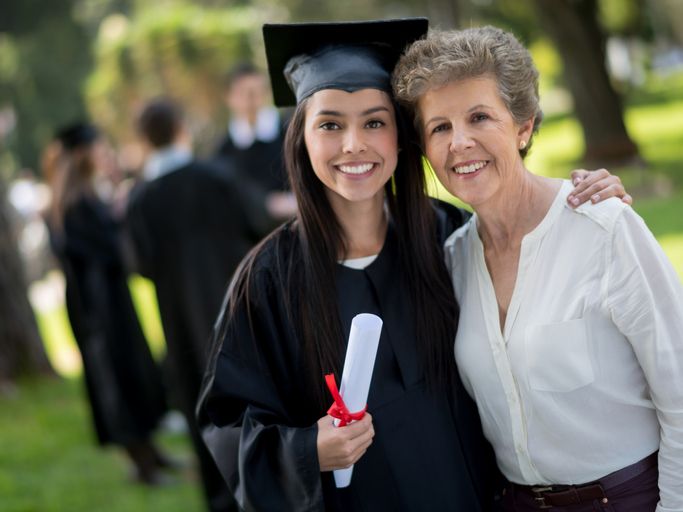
[[374, 123], [441, 127], [329, 125], [479, 116]]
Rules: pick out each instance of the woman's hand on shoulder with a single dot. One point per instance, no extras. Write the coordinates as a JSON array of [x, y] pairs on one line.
[[596, 186], [340, 447]]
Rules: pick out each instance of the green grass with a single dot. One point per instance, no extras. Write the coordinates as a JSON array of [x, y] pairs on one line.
[[50, 462]]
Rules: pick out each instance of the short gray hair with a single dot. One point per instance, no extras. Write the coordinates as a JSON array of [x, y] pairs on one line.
[[447, 56]]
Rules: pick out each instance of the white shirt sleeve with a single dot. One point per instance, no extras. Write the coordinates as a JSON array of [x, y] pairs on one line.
[[645, 298]]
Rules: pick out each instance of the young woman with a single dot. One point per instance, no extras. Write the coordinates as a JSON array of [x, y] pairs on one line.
[[366, 240]]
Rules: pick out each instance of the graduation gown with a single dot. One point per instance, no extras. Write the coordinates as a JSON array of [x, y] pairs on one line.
[[189, 229], [123, 382], [428, 452], [261, 163]]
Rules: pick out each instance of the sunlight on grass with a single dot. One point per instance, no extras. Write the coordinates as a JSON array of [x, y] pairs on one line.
[[145, 301], [54, 327], [50, 461]]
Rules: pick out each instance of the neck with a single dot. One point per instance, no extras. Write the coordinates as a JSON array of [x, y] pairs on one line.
[[364, 226], [516, 211]]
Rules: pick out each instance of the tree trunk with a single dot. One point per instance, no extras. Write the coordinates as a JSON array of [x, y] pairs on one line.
[[444, 14], [573, 26], [21, 348]]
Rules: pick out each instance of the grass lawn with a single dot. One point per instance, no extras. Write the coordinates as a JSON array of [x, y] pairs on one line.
[[50, 462]]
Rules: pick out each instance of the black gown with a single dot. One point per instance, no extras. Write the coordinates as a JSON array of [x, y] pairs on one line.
[[123, 382], [189, 229], [428, 452], [261, 163]]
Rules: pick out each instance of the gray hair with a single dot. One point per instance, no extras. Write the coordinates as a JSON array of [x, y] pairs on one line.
[[447, 56]]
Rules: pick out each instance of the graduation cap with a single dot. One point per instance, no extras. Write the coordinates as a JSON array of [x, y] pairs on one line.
[[77, 135], [304, 58]]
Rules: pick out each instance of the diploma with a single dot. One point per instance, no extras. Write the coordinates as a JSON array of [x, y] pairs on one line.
[[357, 374]]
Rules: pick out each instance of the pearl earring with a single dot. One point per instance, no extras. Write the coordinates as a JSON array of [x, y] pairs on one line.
[[522, 144]]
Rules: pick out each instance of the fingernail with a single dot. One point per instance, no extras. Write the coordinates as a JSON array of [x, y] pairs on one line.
[[575, 201], [595, 198]]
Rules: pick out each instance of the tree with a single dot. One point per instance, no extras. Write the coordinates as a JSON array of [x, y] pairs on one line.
[[21, 349], [573, 26]]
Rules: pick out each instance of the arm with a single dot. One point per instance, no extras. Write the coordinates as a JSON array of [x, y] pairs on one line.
[[596, 185], [645, 298]]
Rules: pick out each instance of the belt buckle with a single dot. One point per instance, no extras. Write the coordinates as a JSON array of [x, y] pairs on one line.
[[540, 499]]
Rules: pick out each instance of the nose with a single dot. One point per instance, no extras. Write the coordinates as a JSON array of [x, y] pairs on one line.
[[354, 141], [460, 141]]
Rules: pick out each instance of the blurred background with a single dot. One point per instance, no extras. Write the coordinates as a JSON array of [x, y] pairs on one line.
[[611, 89]]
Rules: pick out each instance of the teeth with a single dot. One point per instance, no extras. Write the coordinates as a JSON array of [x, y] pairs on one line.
[[467, 169], [355, 169]]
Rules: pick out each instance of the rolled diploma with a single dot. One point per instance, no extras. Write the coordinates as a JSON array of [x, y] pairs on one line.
[[357, 374]]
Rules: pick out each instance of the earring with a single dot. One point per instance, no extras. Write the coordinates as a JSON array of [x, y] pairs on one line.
[[522, 144]]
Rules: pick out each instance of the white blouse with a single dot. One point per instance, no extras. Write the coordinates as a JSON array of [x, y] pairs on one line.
[[587, 377]]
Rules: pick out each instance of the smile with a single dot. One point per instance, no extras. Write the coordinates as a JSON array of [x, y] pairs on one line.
[[469, 168], [357, 169]]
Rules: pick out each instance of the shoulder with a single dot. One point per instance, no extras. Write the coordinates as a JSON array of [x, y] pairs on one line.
[[456, 243], [604, 214]]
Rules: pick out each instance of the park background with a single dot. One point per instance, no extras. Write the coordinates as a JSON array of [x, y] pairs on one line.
[[611, 89]]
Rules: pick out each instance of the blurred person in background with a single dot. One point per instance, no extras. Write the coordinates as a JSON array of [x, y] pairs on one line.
[[253, 143], [124, 386], [189, 228]]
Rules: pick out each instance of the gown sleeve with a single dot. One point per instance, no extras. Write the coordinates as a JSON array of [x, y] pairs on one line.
[[247, 410]]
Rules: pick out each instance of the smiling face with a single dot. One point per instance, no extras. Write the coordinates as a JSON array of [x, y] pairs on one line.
[[351, 140], [471, 139]]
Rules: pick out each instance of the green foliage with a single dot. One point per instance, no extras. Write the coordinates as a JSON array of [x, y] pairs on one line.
[[50, 462], [181, 52]]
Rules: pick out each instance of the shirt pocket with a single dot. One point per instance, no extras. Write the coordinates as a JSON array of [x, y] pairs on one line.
[[558, 356]]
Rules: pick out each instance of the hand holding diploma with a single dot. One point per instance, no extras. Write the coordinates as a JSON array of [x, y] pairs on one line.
[[342, 447]]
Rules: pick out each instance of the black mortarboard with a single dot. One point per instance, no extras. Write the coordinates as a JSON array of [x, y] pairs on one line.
[[76, 135], [304, 58]]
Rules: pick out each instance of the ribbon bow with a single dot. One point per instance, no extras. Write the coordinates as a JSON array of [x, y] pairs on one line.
[[338, 409]]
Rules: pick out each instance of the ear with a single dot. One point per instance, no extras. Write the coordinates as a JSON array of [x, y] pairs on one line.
[[525, 130]]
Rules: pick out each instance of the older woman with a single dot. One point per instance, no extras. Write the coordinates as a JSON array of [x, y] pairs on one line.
[[569, 336]]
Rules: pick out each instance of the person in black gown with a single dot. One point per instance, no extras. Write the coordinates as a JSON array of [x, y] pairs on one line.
[[189, 227], [123, 382]]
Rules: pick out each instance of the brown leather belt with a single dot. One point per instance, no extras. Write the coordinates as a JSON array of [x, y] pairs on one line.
[[547, 496]]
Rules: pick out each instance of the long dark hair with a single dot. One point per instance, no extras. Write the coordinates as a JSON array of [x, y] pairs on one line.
[[309, 276]]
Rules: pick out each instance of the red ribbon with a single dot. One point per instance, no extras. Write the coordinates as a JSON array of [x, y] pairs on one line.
[[338, 409]]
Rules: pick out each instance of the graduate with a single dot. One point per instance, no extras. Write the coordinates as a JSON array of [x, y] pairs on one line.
[[366, 240]]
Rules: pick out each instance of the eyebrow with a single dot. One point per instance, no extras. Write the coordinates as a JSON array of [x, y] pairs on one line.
[[476, 107], [367, 112], [443, 118]]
